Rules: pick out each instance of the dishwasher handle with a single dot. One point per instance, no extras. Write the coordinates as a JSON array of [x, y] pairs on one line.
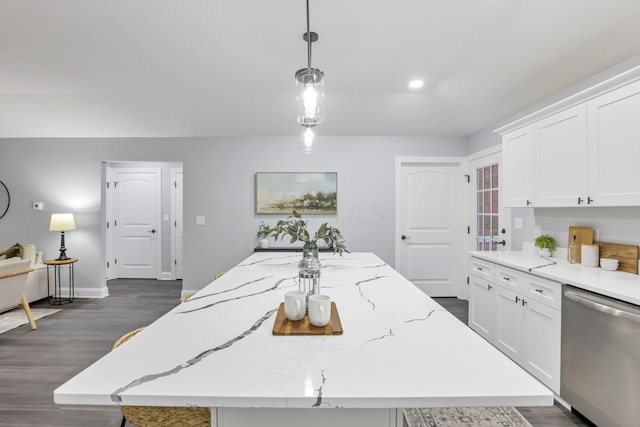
[[585, 301]]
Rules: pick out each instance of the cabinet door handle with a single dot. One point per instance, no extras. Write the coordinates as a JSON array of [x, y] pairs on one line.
[[540, 290], [479, 268], [517, 299], [580, 200], [528, 202], [523, 302], [489, 287], [589, 200], [506, 278]]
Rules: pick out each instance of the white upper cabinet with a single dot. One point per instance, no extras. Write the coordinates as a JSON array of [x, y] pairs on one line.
[[517, 152], [560, 158], [614, 147], [585, 155]]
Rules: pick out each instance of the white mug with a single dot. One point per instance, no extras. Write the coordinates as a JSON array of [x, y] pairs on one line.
[[294, 305], [319, 309]]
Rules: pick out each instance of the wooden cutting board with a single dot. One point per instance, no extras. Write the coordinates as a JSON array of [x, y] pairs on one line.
[[284, 326], [627, 255], [584, 236]]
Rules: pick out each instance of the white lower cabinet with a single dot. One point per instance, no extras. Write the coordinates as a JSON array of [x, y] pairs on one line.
[[508, 323], [541, 344], [519, 313], [481, 312]]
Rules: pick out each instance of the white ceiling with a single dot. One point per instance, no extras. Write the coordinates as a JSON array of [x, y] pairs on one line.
[[220, 68]]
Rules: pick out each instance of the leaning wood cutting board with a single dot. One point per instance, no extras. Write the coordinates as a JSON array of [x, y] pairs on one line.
[[584, 236], [627, 255], [284, 326]]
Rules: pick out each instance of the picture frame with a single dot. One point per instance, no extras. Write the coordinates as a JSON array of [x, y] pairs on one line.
[[309, 193]]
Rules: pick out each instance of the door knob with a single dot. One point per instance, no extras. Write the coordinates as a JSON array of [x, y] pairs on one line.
[[502, 242]]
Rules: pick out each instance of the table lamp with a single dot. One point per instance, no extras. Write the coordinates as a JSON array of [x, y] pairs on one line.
[[62, 222]]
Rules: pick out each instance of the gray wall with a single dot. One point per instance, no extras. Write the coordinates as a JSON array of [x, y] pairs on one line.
[[222, 174], [66, 174]]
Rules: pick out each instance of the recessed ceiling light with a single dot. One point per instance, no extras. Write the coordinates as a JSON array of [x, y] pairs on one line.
[[416, 84]]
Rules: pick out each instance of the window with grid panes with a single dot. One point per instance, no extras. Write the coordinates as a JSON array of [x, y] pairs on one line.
[[487, 208]]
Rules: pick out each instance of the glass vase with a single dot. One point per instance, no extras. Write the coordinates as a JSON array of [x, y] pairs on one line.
[[310, 248]]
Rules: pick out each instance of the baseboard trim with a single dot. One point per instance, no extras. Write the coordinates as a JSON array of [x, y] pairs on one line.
[[165, 275], [88, 292]]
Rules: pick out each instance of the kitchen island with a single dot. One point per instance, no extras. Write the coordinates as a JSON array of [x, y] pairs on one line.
[[399, 349]]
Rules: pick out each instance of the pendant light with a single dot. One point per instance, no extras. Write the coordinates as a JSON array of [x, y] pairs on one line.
[[306, 142], [310, 86]]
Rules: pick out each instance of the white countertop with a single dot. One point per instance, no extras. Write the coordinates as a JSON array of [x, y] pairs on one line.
[[399, 349], [615, 284]]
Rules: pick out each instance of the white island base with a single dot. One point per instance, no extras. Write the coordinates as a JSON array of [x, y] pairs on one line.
[[314, 417]]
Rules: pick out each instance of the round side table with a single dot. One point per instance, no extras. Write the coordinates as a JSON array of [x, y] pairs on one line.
[[57, 264]]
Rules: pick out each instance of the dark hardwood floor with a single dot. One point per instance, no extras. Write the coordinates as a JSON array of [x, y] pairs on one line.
[[34, 363]]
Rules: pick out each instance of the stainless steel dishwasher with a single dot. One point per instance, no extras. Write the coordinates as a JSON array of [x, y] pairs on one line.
[[600, 370]]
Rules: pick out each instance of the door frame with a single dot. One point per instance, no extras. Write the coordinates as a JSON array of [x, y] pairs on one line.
[[483, 158], [461, 163], [174, 235], [111, 244]]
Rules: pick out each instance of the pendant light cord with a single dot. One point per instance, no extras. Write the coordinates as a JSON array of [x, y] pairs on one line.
[[308, 39]]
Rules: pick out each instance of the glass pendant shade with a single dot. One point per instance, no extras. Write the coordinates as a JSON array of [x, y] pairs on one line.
[[310, 96], [307, 139]]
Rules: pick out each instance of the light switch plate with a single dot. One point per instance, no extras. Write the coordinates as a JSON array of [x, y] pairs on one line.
[[517, 223], [200, 220]]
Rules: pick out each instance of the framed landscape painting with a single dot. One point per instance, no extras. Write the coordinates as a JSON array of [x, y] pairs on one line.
[[310, 193]]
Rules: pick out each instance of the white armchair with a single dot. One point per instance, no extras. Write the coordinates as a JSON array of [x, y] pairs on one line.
[[13, 281], [37, 286]]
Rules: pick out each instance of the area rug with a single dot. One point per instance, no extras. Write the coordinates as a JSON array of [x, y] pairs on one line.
[[16, 317], [504, 416]]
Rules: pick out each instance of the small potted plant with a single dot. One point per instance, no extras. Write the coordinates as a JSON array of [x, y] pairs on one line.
[[296, 228], [263, 232], [546, 244]]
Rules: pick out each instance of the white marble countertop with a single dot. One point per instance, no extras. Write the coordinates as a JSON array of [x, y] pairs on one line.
[[399, 349], [614, 284]]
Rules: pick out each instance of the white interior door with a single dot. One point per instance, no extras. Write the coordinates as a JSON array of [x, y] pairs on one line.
[[178, 224], [430, 225], [137, 219]]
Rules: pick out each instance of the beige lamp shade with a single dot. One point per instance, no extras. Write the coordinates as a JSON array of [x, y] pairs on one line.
[[62, 222]]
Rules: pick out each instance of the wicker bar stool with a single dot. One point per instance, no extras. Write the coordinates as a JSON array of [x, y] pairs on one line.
[[189, 295], [186, 297], [161, 416]]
